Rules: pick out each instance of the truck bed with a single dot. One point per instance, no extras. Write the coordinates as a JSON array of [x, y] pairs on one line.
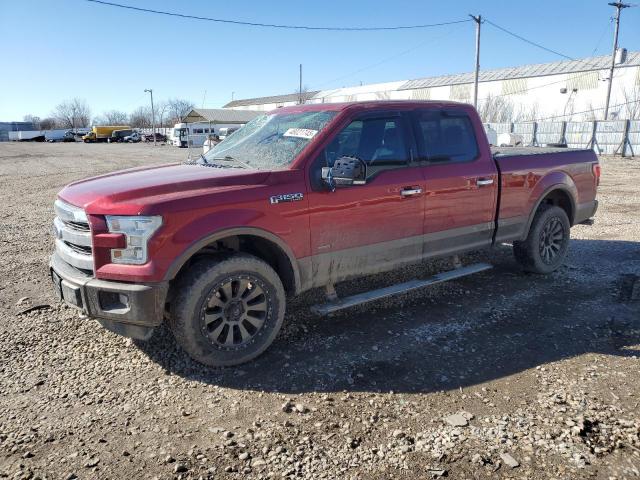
[[499, 152], [528, 172]]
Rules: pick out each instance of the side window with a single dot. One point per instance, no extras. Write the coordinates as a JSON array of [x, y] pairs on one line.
[[445, 138], [197, 130], [379, 142]]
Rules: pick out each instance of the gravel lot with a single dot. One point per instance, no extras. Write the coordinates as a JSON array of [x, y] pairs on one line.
[[500, 375]]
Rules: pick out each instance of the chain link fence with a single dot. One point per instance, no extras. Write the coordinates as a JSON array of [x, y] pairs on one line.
[[618, 137]]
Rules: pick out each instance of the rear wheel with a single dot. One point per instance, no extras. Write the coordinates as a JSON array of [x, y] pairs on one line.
[[547, 244], [227, 311]]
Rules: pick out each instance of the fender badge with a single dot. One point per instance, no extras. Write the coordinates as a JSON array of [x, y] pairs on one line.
[[286, 197]]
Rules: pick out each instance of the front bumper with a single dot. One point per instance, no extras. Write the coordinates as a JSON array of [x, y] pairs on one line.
[[129, 309]]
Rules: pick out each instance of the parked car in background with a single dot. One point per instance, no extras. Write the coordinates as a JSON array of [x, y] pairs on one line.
[[159, 137], [305, 197], [133, 138], [118, 136]]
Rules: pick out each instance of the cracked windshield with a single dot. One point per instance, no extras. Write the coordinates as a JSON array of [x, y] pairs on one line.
[[269, 141]]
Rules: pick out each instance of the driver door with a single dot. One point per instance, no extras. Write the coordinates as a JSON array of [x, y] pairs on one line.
[[361, 229]]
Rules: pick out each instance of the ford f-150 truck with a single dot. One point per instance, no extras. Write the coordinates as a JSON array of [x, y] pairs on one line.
[[305, 197]]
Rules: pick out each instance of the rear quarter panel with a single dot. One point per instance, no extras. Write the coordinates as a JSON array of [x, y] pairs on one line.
[[527, 179]]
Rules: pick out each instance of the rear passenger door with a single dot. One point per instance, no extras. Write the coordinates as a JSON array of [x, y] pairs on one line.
[[361, 229], [461, 182]]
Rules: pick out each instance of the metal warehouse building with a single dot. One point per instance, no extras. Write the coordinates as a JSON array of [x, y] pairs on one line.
[[566, 90]]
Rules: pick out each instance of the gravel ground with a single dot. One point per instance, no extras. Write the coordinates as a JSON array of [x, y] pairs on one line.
[[500, 375]]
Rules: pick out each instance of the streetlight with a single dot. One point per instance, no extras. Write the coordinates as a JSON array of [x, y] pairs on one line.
[[153, 116]]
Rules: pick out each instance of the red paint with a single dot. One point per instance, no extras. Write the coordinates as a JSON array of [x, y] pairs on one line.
[[197, 201]]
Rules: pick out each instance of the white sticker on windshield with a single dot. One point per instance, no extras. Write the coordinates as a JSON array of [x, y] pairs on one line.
[[300, 133]]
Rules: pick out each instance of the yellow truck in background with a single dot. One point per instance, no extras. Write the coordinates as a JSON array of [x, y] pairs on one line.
[[104, 133]]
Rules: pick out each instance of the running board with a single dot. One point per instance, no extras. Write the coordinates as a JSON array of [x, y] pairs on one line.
[[360, 298]]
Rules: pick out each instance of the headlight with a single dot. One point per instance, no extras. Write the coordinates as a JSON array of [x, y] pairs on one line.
[[138, 231]]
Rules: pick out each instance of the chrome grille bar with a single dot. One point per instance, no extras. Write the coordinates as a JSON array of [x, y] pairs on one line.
[[73, 258], [73, 235], [69, 234]]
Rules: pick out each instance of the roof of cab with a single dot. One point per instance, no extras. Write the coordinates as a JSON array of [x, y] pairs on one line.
[[368, 105]]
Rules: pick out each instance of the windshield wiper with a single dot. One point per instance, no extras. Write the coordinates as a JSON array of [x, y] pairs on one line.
[[203, 158], [229, 158]]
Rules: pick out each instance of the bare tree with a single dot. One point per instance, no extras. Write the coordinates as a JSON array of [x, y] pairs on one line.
[[588, 116], [48, 123], [496, 109], [141, 117], [178, 108], [161, 110], [35, 121], [73, 113], [113, 117], [632, 102], [528, 113]]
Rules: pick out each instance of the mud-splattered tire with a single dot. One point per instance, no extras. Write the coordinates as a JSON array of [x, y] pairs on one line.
[[227, 311], [547, 244]]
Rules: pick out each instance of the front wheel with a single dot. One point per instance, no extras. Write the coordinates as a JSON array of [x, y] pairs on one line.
[[227, 311], [547, 244]]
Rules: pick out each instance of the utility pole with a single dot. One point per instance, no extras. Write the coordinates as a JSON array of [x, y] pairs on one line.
[[619, 6], [300, 89], [478, 21], [153, 116]]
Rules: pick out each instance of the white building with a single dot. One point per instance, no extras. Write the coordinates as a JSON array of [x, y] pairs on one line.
[[566, 90]]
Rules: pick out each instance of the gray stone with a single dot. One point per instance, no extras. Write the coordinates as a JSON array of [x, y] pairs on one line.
[[509, 460], [456, 420]]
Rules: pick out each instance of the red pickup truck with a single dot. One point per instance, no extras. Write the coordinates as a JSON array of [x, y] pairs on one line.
[[305, 197]]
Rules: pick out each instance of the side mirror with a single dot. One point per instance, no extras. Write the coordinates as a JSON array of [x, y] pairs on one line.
[[346, 171]]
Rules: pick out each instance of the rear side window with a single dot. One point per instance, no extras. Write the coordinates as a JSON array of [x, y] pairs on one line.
[[445, 137]]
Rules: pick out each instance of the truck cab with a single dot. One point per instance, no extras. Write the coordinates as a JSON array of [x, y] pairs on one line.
[[306, 197]]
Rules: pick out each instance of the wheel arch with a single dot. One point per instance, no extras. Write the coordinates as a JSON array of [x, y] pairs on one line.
[[256, 241], [559, 195]]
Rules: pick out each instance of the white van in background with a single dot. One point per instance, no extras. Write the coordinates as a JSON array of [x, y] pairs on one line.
[[194, 134]]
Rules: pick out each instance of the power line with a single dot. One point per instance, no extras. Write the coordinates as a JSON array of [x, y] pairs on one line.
[[387, 59], [275, 25], [604, 32], [530, 42], [585, 111]]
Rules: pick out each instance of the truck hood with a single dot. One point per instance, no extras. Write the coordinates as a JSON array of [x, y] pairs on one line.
[[140, 187]]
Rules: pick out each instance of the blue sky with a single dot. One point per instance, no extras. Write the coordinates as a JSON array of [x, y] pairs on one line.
[[54, 51]]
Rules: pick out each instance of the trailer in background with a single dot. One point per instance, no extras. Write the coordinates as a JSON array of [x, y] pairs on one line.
[[28, 136], [60, 135]]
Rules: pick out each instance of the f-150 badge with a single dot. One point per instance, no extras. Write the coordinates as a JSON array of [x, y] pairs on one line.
[[286, 197]]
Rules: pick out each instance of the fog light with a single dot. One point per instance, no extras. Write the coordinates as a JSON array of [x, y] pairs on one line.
[[114, 302]]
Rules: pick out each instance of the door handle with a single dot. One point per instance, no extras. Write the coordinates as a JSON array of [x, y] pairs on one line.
[[483, 182], [410, 192]]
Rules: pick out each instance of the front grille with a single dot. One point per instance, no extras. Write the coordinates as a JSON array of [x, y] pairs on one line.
[[80, 227], [79, 248], [73, 236]]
